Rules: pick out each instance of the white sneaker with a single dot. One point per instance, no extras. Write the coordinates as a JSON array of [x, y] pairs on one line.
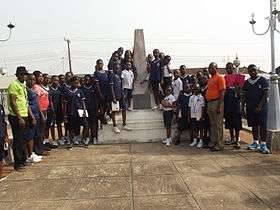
[[164, 141], [169, 142], [193, 143], [36, 156], [36, 159], [29, 160], [130, 109], [126, 128], [200, 144], [116, 130], [155, 107]]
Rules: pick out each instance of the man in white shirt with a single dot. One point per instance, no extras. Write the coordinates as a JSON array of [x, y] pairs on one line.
[[128, 80], [177, 84]]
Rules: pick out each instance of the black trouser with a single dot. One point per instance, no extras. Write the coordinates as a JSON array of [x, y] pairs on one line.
[[19, 150]]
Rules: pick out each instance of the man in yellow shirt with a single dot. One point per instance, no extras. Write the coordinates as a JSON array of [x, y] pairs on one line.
[[18, 115]]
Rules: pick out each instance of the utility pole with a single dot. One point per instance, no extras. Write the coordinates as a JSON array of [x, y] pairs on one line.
[[69, 54]]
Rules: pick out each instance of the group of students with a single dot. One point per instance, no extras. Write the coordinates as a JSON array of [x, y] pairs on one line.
[[40, 104], [203, 102]]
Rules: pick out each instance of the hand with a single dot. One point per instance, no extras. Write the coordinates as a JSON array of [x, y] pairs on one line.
[[21, 122], [43, 120], [219, 109], [258, 110], [33, 121]]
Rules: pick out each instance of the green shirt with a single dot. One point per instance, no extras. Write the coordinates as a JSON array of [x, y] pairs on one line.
[[19, 90]]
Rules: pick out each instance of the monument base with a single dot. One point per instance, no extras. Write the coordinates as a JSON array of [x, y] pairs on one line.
[[142, 101], [273, 140]]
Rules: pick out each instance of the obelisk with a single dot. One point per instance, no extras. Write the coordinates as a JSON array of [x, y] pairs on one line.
[[141, 95]]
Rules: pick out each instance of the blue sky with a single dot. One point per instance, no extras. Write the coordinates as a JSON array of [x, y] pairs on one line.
[[192, 32]]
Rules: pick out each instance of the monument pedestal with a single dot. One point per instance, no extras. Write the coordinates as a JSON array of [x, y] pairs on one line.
[[273, 140]]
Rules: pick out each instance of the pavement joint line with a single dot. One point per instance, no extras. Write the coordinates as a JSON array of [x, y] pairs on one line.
[[180, 176], [131, 177], [245, 187]]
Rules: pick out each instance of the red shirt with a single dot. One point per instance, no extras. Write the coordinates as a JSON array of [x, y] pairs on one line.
[[43, 97]]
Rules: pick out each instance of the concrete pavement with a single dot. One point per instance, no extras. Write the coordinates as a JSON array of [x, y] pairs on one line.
[[145, 176]]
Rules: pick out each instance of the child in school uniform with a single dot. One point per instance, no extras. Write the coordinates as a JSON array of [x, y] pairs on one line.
[[127, 81], [167, 106], [56, 116], [183, 108], [74, 100], [89, 91], [33, 133], [177, 84], [117, 96], [102, 86], [196, 105]]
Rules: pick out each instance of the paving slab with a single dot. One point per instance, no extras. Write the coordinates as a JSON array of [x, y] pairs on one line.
[[145, 176], [165, 202]]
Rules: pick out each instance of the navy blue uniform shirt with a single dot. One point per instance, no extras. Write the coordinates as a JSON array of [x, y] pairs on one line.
[[103, 79], [56, 98], [74, 101], [254, 91], [33, 103], [155, 71], [116, 81]]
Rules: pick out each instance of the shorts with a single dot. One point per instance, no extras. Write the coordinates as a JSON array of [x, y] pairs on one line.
[[167, 118], [53, 119], [195, 124], [127, 93], [2, 152], [183, 123], [259, 119], [155, 85], [32, 132], [122, 103]]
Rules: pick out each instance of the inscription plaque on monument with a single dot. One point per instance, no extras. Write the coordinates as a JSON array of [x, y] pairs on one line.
[[141, 94]]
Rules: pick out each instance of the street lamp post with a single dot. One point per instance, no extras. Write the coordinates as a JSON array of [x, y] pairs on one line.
[[273, 124], [10, 26]]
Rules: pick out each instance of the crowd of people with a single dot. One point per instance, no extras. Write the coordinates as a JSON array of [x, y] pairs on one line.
[[67, 110]]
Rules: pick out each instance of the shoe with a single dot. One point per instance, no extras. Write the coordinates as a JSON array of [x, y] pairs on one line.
[[155, 107], [55, 144], [60, 142], [116, 130], [236, 145], [264, 149], [229, 142], [19, 169], [214, 149], [193, 143], [130, 109], [76, 142], [164, 141], [126, 128], [29, 160], [95, 141], [254, 146], [69, 146], [200, 144], [169, 142], [86, 142], [34, 159], [47, 146]]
